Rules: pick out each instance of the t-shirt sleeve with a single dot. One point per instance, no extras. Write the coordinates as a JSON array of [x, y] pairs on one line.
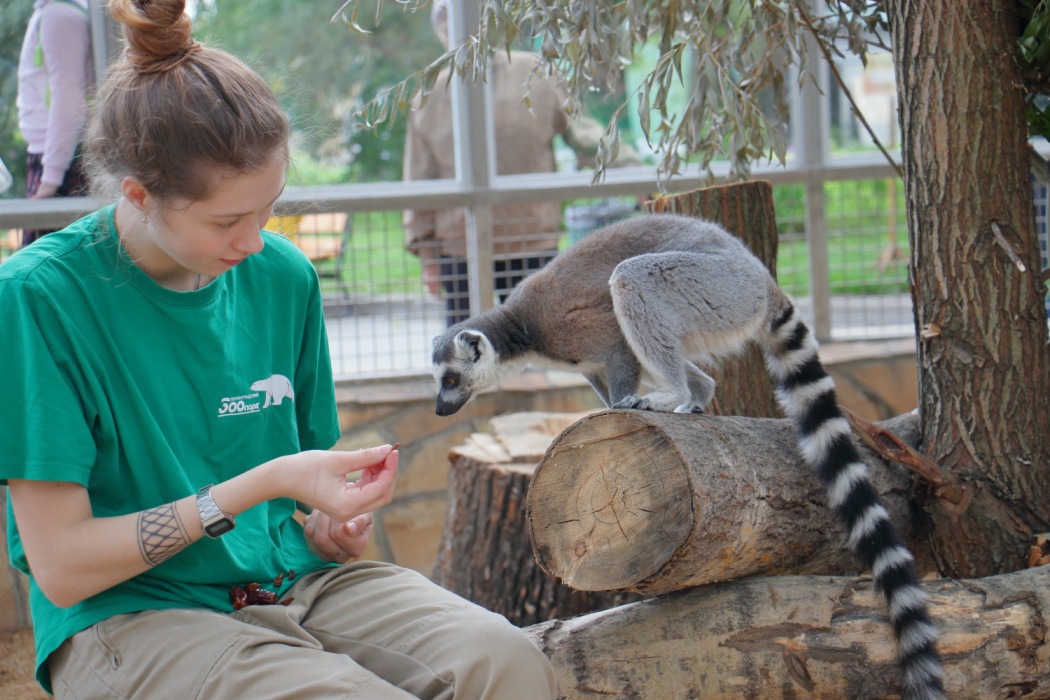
[[43, 429], [315, 405]]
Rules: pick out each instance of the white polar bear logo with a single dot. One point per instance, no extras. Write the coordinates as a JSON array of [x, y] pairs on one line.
[[277, 387]]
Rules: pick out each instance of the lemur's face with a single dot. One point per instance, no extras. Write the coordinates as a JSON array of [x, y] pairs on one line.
[[464, 364]]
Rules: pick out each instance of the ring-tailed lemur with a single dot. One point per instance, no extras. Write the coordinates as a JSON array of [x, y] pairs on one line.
[[651, 298]]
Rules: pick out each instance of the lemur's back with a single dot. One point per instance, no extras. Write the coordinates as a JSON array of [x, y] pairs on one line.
[[592, 260], [575, 285]]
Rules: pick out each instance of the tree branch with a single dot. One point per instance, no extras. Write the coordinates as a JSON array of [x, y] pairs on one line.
[[893, 449], [849, 96]]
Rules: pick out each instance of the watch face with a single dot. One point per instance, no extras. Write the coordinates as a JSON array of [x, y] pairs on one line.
[[219, 527]]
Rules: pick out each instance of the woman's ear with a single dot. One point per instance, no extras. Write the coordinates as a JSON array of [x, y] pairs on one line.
[[136, 193]]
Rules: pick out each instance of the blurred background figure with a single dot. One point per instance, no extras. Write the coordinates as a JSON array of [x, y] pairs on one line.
[[525, 235], [5, 177], [55, 73]]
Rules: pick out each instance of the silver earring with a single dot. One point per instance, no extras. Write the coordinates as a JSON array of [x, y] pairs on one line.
[[145, 219]]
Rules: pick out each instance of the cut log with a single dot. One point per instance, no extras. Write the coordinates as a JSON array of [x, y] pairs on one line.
[[485, 554], [802, 637], [746, 210], [654, 502]]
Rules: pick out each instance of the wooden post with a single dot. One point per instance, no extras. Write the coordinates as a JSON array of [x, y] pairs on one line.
[[14, 586], [485, 554], [655, 502], [746, 210]]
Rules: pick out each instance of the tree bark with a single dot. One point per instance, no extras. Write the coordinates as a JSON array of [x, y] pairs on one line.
[[485, 552], [655, 502], [746, 210], [983, 358], [802, 637]]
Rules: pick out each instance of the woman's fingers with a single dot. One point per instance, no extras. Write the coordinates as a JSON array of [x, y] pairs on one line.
[[318, 530], [359, 460]]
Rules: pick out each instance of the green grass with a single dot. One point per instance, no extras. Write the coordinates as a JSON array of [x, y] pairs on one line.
[[860, 225], [377, 262], [855, 269]]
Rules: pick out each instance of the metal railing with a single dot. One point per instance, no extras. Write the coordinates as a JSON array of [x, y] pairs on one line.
[[380, 319]]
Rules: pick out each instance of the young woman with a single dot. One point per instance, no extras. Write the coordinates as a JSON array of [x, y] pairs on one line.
[[168, 399]]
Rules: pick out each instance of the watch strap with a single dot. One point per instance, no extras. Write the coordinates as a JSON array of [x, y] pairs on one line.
[[215, 521]]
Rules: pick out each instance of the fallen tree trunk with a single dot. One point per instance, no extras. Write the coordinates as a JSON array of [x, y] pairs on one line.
[[654, 502], [802, 636]]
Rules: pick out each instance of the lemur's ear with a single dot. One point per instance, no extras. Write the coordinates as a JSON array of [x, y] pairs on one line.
[[468, 343]]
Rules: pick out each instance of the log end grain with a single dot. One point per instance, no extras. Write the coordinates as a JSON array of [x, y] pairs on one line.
[[613, 513]]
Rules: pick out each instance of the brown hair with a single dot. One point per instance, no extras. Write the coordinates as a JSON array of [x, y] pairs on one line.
[[171, 108]]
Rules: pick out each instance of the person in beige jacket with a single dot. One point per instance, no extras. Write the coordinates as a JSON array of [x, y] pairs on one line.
[[525, 235]]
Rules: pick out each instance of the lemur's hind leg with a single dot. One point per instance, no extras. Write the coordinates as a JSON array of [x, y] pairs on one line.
[[702, 388], [675, 306], [652, 331]]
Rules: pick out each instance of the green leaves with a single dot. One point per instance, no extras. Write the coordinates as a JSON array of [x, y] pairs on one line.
[[706, 80], [1034, 47], [1035, 37]]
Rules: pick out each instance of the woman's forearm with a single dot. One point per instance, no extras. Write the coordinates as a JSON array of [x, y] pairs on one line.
[[74, 555]]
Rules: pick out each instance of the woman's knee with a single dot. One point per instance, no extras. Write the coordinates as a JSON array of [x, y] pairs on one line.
[[506, 662]]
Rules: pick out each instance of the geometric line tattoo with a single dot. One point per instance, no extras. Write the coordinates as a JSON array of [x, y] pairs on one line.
[[161, 534]]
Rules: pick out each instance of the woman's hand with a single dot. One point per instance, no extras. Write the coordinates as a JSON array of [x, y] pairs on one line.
[[337, 529], [319, 478], [337, 541]]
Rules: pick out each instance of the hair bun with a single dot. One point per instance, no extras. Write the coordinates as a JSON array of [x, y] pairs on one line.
[[158, 33]]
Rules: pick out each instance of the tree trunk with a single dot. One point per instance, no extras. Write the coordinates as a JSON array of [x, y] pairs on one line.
[[802, 637], [746, 210], [655, 502], [983, 358], [485, 554]]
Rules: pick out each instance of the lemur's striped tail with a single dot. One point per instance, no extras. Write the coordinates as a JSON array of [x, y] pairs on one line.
[[807, 395]]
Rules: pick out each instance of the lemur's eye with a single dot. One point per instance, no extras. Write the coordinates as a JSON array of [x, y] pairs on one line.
[[451, 381]]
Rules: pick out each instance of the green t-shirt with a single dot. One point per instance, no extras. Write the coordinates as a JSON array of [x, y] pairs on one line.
[[143, 395]]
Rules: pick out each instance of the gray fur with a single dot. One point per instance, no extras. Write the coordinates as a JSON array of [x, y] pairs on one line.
[[648, 302]]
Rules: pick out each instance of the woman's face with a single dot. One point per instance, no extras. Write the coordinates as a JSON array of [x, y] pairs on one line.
[[209, 236]]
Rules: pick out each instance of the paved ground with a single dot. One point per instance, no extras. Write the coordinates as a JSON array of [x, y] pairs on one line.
[[16, 667]]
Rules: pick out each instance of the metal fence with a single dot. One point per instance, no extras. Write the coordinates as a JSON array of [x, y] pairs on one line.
[[840, 212], [849, 278], [381, 318], [839, 205]]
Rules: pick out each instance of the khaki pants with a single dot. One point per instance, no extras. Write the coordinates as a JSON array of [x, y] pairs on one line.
[[364, 630]]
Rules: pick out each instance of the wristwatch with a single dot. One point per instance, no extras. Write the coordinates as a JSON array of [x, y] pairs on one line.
[[216, 523]]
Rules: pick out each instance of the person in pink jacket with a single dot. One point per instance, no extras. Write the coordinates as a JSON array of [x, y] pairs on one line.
[[55, 73]]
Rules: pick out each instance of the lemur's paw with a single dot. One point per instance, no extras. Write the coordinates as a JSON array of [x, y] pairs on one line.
[[661, 401], [689, 408], [633, 401]]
